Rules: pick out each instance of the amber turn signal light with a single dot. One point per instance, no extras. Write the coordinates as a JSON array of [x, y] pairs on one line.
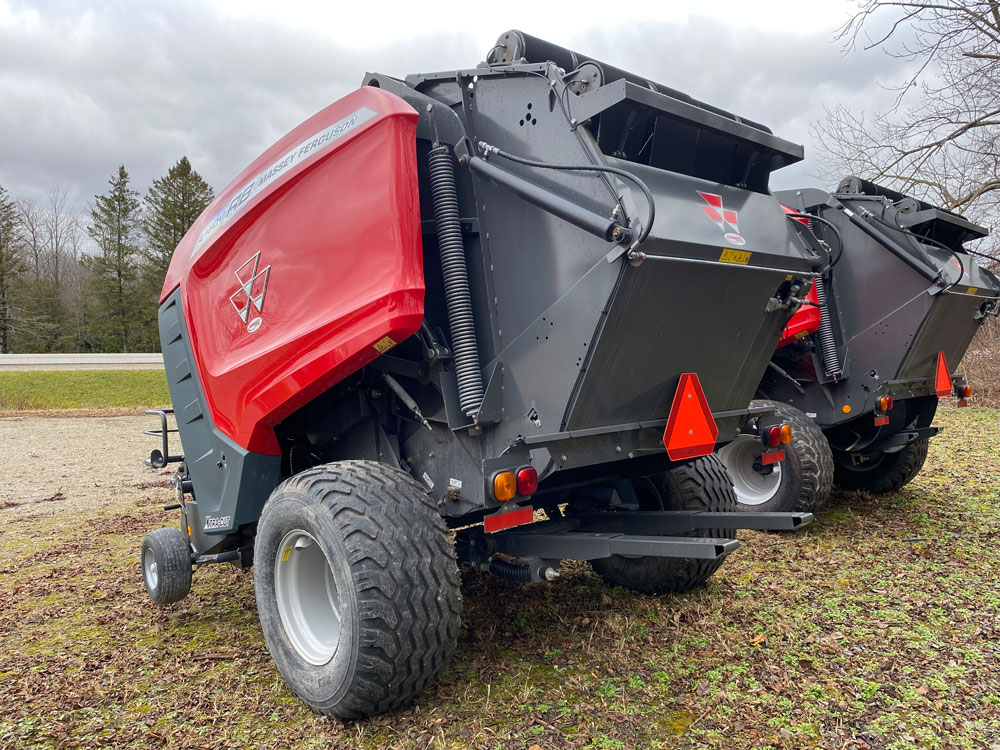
[[786, 434], [885, 403], [504, 486]]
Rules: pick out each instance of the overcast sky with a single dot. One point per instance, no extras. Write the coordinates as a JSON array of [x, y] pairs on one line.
[[86, 85]]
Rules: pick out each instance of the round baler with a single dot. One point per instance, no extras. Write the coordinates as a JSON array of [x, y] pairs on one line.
[[860, 369], [461, 301]]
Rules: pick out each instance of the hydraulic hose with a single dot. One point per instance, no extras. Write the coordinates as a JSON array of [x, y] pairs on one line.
[[510, 571], [458, 299]]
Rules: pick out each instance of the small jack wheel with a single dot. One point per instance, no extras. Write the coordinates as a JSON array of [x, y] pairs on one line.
[[166, 565]]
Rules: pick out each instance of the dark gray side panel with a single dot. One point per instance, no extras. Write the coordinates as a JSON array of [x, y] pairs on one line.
[[232, 483], [666, 318]]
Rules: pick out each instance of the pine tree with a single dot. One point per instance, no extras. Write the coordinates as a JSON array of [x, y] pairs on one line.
[[115, 224], [172, 205], [12, 265]]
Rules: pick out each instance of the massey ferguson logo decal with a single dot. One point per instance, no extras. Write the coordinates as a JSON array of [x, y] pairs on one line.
[[723, 217], [253, 287]]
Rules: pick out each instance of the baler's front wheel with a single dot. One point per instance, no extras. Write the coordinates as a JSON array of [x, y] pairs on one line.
[[357, 587], [802, 482], [166, 565], [702, 484], [883, 472]]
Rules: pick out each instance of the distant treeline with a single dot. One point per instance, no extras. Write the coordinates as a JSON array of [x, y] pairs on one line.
[[90, 282]]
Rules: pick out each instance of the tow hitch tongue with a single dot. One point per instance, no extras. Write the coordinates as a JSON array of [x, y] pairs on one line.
[[592, 536]]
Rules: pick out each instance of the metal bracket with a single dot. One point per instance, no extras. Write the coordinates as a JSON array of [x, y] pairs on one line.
[[160, 458]]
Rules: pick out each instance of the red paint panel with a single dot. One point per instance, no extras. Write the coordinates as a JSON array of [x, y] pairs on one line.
[[800, 219], [338, 232], [501, 521], [804, 322], [772, 458]]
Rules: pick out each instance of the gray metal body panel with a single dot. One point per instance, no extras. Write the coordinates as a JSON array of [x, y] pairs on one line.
[[231, 484], [892, 314], [584, 342]]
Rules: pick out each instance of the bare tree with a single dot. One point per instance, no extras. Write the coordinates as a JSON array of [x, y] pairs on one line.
[[32, 222], [940, 140], [61, 232]]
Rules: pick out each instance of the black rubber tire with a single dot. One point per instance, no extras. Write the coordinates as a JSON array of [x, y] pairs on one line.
[[397, 581], [172, 555], [702, 484], [887, 472], [806, 472]]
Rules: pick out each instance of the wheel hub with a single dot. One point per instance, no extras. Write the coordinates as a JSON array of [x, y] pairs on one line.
[[149, 567], [751, 486], [307, 597]]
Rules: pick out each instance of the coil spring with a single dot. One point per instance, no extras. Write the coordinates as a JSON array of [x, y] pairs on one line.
[[456, 280], [827, 343]]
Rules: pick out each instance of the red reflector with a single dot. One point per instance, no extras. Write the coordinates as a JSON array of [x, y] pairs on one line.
[[942, 383], [772, 458], [501, 521], [527, 481], [691, 430], [962, 403], [879, 421]]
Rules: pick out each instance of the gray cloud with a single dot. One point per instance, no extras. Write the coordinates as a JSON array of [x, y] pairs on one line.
[[84, 89]]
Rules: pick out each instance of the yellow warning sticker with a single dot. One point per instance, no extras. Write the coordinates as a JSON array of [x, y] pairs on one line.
[[384, 344], [973, 289], [286, 554], [740, 257]]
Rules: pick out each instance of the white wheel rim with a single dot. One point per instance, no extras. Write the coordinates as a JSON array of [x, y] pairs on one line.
[[307, 597], [149, 568], [751, 487]]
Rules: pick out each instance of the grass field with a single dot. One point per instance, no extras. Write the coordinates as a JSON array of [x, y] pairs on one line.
[[82, 389], [878, 626]]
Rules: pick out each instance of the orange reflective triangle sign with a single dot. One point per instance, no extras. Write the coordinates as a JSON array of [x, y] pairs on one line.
[[942, 383], [691, 430]]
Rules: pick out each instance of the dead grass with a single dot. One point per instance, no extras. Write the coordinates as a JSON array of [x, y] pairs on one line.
[[876, 627], [981, 364]]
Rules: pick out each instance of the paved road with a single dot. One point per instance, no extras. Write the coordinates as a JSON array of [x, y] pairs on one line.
[[81, 362]]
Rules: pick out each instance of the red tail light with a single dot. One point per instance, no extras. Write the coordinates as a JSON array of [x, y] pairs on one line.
[[963, 391], [774, 437], [885, 403], [527, 481]]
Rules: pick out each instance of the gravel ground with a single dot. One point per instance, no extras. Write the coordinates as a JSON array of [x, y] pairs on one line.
[[88, 464], [877, 627]]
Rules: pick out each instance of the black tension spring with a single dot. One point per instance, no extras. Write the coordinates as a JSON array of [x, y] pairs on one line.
[[458, 299]]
